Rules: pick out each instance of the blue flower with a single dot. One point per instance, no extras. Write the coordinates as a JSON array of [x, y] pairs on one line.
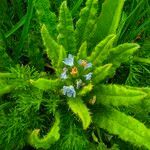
[[88, 76], [69, 91], [69, 61], [89, 65], [64, 75], [79, 61], [84, 64]]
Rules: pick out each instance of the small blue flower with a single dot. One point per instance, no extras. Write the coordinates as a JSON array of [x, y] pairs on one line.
[[79, 61], [79, 83], [84, 64], [69, 91], [88, 76], [69, 61], [89, 65], [64, 75]]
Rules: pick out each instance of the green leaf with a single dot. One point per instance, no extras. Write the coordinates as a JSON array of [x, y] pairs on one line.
[[6, 75], [66, 35], [46, 84], [5, 60], [16, 27], [46, 17], [86, 89], [101, 51], [126, 127], [4, 89], [102, 146], [52, 48], [145, 106], [46, 142], [108, 20], [76, 7], [82, 53], [122, 53], [25, 31], [62, 55], [100, 73], [86, 22], [80, 109], [118, 95], [144, 89]]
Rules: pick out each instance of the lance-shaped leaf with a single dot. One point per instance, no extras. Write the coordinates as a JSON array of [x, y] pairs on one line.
[[82, 53], [86, 89], [46, 84], [61, 57], [101, 51], [46, 142], [144, 89], [100, 73], [5, 89], [118, 95], [45, 16], [126, 127], [86, 22], [66, 35], [76, 6], [6, 75], [108, 20], [122, 53], [145, 105], [52, 48], [81, 110]]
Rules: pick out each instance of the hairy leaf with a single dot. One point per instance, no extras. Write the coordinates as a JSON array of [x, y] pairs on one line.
[[101, 51], [62, 55], [76, 6], [45, 84], [86, 89], [118, 95], [46, 142], [52, 48], [66, 35], [6, 75], [122, 53], [46, 17], [108, 20], [86, 22], [82, 53], [80, 109], [4, 89], [126, 127], [100, 73]]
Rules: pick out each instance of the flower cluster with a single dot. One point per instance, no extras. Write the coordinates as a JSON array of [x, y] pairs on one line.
[[76, 71]]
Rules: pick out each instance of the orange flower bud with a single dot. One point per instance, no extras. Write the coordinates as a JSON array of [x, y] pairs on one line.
[[84, 63], [74, 71]]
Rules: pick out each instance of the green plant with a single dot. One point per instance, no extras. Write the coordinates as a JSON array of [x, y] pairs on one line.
[[82, 61]]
